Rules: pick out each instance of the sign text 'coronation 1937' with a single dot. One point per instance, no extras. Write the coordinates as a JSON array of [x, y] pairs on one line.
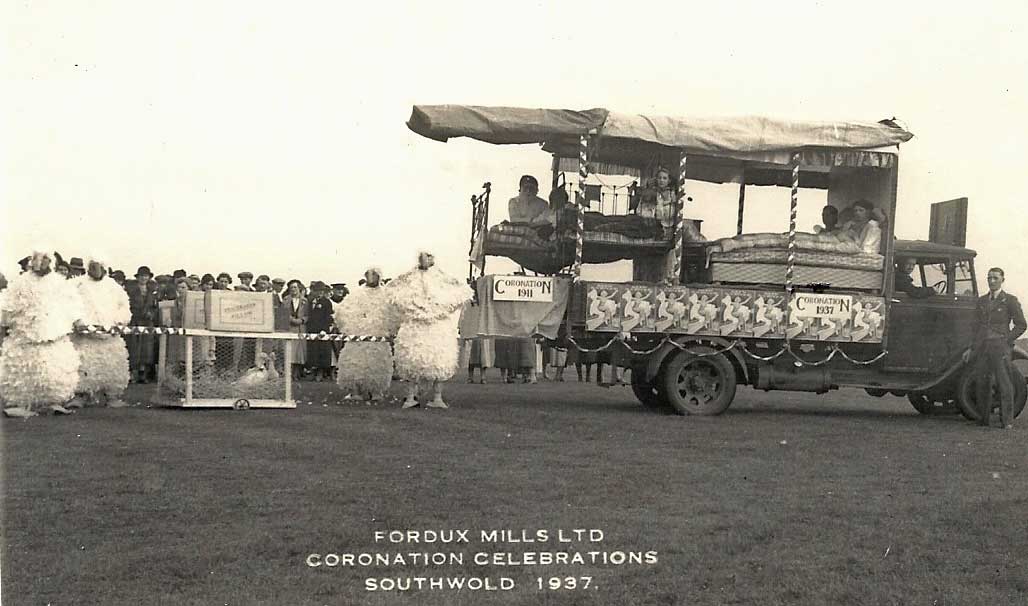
[[820, 305], [522, 288]]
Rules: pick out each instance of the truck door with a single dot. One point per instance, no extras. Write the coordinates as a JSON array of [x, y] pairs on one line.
[[930, 333]]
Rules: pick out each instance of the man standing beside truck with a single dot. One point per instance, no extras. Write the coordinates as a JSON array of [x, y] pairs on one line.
[[994, 338]]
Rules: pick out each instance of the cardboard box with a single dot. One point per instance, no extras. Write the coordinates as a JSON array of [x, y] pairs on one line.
[[239, 311], [195, 313]]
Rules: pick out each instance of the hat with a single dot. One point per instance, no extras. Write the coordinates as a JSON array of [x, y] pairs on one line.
[[193, 277], [244, 275], [179, 273], [339, 286], [118, 274], [163, 278], [295, 281], [224, 275], [278, 281], [264, 277], [77, 263], [318, 285], [144, 271], [24, 263]]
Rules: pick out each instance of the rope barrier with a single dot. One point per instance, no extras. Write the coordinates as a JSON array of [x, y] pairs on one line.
[[617, 338], [166, 330]]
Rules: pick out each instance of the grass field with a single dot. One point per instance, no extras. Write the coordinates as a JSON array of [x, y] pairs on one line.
[[785, 499]]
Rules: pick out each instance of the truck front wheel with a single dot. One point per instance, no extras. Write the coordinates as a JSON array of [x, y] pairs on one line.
[[966, 394], [699, 381]]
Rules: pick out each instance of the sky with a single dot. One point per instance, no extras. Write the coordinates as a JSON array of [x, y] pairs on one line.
[[270, 137]]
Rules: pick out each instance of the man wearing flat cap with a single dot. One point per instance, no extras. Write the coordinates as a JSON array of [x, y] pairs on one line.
[[77, 267]]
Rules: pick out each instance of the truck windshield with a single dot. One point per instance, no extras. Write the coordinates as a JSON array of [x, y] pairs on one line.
[[964, 278], [934, 273]]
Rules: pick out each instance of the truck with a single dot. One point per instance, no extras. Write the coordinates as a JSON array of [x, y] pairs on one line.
[[848, 305]]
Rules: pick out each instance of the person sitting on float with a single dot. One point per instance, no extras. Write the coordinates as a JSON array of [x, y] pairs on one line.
[[527, 207], [830, 218], [863, 229], [659, 202]]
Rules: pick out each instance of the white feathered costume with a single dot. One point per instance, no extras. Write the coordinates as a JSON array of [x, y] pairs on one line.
[[428, 302], [38, 365], [366, 368], [103, 358]]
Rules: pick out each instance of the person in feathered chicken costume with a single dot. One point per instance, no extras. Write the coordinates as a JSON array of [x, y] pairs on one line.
[[366, 369], [427, 347], [39, 368], [103, 358]]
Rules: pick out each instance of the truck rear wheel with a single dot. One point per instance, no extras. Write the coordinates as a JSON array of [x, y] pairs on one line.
[[702, 384], [966, 394]]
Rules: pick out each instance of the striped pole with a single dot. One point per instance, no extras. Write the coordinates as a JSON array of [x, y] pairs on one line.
[[679, 220], [791, 259], [742, 203], [583, 172]]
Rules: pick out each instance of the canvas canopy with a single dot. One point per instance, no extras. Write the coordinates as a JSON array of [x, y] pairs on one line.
[[752, 137]]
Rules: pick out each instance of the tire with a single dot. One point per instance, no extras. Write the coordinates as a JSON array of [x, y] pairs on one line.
[[699, 385], [966, 394]]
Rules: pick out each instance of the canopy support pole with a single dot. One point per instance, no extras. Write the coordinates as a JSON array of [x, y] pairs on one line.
[[742, 201], [583, 172], [479, 227], [791, 258], [676, 278]]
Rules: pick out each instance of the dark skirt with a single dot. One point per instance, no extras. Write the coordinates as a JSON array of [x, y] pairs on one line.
[[319, 354], [506, 353]]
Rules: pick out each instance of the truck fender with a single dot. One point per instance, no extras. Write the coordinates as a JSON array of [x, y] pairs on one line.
[[657, 358]]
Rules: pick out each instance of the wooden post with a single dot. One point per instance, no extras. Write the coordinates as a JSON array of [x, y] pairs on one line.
[[189, 369], [162, 355], [289, 370]]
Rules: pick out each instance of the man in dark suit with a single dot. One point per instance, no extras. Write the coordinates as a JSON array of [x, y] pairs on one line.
[[993, 340]]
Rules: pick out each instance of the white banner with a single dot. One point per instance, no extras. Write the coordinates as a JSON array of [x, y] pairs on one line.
[[522, 288]]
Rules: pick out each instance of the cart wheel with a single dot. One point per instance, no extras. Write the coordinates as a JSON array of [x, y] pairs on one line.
[[646, 391], [699, 385], [966, 394]]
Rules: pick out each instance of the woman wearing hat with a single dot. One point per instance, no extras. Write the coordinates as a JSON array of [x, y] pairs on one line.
[[143, 305], [295, 307]]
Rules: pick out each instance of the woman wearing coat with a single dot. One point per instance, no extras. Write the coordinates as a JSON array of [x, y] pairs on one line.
[[295, 308]]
